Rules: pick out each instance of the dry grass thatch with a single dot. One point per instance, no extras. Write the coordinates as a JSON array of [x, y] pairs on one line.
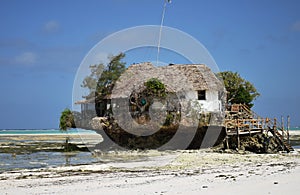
[[177, 78]]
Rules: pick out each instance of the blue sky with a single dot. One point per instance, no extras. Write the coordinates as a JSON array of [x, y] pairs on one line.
[[43, 42]]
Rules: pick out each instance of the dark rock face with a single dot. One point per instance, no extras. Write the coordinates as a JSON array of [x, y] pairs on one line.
[[186, 138], [208, 136], [259, 143]]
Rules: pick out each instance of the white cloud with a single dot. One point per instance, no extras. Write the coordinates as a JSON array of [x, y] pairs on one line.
[[296, 26], [26, 58], [51, 27]]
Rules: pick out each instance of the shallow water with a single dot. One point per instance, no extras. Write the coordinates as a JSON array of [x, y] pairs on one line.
[[10, 162], [296, 147], [30, 160], [44, 131], [33, 160]]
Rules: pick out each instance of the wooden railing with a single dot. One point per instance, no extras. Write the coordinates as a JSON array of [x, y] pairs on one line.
[[242, 120]]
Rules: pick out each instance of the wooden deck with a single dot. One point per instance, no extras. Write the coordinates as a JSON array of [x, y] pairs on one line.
[[240, 120]]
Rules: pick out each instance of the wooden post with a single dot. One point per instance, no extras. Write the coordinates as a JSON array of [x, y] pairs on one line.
[[250, 126], [282, 128], [288, 128], [275, 126], [227, 145], [262, 125], [238, 136]]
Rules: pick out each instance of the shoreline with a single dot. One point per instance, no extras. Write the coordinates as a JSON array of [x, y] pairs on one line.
[[45, 137], [292, 132], [165, 173], [157, 172]]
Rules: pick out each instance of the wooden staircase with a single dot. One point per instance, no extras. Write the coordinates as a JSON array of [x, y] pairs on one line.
[[281, 135], [283, 142], [241, 120]]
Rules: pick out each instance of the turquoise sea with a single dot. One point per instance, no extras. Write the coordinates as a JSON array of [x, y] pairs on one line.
[[295, 129], [70, 131], [9, 162], [45, 131]]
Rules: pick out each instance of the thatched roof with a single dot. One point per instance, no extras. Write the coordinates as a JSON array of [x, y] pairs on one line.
[[177, 78], [86, 101]]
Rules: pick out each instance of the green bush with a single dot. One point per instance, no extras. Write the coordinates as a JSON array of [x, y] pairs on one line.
[[169, 119], [66, 120], [156, 87]]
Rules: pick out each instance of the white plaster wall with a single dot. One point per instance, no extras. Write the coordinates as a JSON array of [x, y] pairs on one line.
[[191, 95], [211, 104]]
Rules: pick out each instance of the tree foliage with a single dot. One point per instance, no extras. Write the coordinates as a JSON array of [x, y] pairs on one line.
[[66, 120], [100, 82], [110, 75], [155, 87], [102, 78], [90, 82], [239, 91]]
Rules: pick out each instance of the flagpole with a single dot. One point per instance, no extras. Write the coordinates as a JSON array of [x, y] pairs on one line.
[[160, 30]]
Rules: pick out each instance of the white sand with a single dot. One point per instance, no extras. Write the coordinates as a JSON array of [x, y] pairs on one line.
[[181, 172], [294, 132]]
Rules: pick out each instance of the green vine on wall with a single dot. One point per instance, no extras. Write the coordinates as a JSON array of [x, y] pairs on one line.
[[155, 87]]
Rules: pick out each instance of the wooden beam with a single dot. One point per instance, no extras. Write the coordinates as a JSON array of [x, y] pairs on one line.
[[227, 144], [288, 128], [238, 137]]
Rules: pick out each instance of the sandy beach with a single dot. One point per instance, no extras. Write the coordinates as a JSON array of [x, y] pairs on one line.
[[169, 172], [202, 171], [75, 138]]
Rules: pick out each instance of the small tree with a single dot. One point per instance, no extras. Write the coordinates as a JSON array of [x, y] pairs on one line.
[[110, 75], [238, 89], [66, 120], [90, 82], [102, 79]]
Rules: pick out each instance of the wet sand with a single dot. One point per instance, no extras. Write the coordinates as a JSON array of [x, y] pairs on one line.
[[168, 172], [49, 137]]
